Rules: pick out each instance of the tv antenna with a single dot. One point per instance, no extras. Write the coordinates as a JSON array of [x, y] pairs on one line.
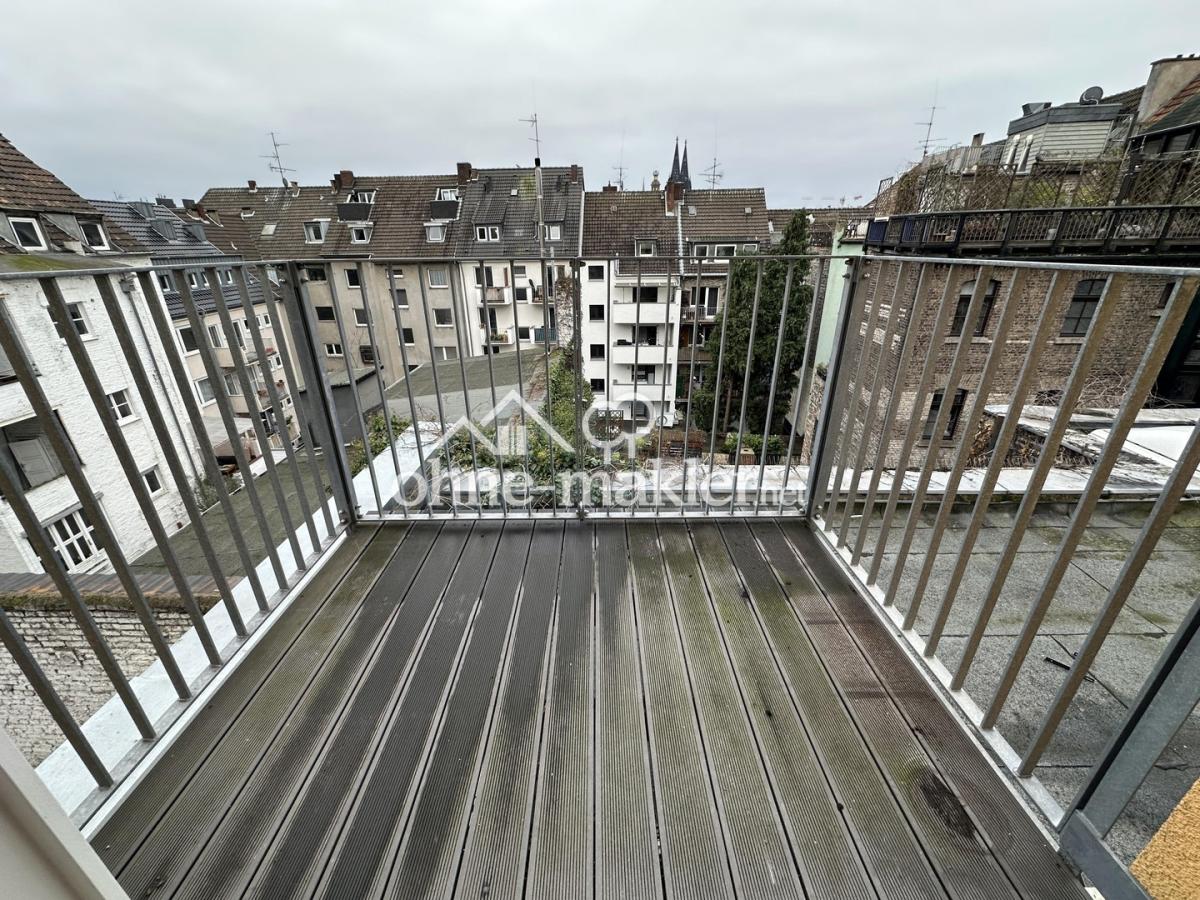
[[713, 174], [277, 163], [620, 169], [537, 139], [929, 139]]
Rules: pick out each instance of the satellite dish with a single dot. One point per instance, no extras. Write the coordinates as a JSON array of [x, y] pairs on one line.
[[1092, 95]]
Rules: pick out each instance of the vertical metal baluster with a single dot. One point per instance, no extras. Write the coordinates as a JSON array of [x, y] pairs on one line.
[[950, 492], [10, 486], [268, 376], [580, 456], [1155, 524], [19, 651], [712, 437], [1135, 396], [895, 392], [762, 463], [462, 368], [1049, 320], [662, 402], [608, 384], [352, 384], [521, 380], [437, 389], [800, 411], [260, 431], [278, 317], [889, 334], [737, 457], [208, 457], [1033, 489], [383, 398], [63, 449], [492, 387], [983, 275], [546, 300], [855, 376], [637, 340], [916, 421], [412, 404], [137, 485], [167, 442], [687, 415], [217, 382]]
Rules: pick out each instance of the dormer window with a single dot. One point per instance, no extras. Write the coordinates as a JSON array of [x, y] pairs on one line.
[[28, 233], [165, 282], [94, 236], [725, 250], [553, 232], [314, 232], [361, 197], [435, 233], [749, 248], [700, 250], [197, 279], [447, 193], [645, 248], [487, 233], [226, 276], [360, 234]]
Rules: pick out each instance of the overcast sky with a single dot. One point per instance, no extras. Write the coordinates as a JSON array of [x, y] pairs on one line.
[[814, 101]]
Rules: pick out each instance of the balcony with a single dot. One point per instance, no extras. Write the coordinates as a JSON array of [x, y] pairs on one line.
[[643, 313], [642, 353], [409, 655], [495, 296], [500, 337]]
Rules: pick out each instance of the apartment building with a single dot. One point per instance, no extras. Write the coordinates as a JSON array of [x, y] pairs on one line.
[[45, 225]]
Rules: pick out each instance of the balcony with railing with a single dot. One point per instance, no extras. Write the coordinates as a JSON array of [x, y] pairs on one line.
[[854, 641]]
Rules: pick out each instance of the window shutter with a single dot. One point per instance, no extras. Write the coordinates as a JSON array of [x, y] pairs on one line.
[[35, 461]]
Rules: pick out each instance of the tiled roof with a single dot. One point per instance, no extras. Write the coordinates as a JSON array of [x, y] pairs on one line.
[[1180, 111], [26, 186], [180, 242], [614, 221], [1129, 99], [731, 213], [508, 197]]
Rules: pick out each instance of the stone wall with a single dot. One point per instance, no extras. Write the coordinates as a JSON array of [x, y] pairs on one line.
[[60, 649]]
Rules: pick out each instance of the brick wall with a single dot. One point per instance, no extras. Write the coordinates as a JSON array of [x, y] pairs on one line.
[[59, 647]]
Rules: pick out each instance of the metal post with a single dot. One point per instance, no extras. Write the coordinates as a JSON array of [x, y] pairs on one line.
[[437, 388], [783, 312], [412, 405], [687, 415], [492, 387], [737, 457], [549, 387], [716, 401], [804, 384], [462, 369]]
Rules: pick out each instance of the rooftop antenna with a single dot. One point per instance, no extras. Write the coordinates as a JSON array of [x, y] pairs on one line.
[[929, 139], [537, 139], [277, 164], [620, 169], [713, 174]]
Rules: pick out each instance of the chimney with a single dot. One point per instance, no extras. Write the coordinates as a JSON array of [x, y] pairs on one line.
[[464, 173], [977, 140], [574, 178], [1167, 78], [1028, 109], [342, 180], [609, 188], [253, 185], [674, 194], [199, 208], [165, 201], [295, 186]]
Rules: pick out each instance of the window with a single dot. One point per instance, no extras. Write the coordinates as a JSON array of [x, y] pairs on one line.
[[361, 197], [325, 314], [521, 295], [204, 390], [406, 335], [487, 233], [725, 250], [483, 274], [518, 272], [333, 350], [352, 278], [553, 232], [187, 339], [314, 232], [165, 282], [72, 539], [935, 404], [442, 317], [596, 312], [28, 233], [367, 353], [1082, 307], [447, 193], [360, 317], [449, 352], [439, 278], [197, 279], [93, 235], [265, 320], [1165, 297], [29, 448], [595, 273], [316, 273], [435, 233], [597, 351], [276, 362], [153, 482], [749, 249], [401, 295], [645, 248], [645, 294], [233, 387], [214, 336], [964, 303], [700, 250], [524, 333], [121, 406], [225, 276], [360, 234], [268, 230], [75, 311], [597, 385]]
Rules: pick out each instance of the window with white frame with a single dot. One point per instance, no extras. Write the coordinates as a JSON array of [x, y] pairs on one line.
[[204, 390], [233, 387], [165, 282], [449, 352], [407, 336], [442, 317], [325, 313], [360, 234], [487, 233], [197, 279], [316, 273], [749, 249], [225, 276], [401, 296], [484, 275], [553, 232], [333, 350], [153, 481], [521, 294], [315, 231], [447, 193], [28, 233], [93, 235], [360, 317], [361, 197], [439, 278], [121, 405], [187, 339], [367, 353], [75, 311], [264, 320], [276, 362], [214, 336], [725, 250], [595, 273], [645, 248], [524, 333], [435, 232], [518, 272], [700, 250], [352, 278], [72, 539]]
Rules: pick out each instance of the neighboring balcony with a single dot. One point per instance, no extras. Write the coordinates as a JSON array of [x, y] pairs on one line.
[[495, 296], [646, 313], [642, 353], [500, 337]]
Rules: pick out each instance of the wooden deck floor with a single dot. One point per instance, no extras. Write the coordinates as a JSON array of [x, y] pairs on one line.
[[577, 710]]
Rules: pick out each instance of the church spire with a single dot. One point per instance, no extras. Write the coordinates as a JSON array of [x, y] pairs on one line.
[[683, 174], [674, 165]]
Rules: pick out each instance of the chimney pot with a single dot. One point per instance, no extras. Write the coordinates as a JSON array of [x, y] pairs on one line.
[[674, 194], [609, 188], [253, 185]]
